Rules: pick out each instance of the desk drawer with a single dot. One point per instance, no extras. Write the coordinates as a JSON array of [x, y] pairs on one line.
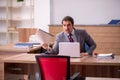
[[15, 68], [20, 68], [97, 70], [1, 66], [103, 71], [1, 71]]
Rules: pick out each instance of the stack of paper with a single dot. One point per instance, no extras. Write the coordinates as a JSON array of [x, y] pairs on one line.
[[25, 45], [102, 55]]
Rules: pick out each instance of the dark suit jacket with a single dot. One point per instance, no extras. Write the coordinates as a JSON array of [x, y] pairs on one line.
[[82, 37]]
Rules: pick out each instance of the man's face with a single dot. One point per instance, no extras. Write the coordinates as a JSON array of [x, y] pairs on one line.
[[67, 27]]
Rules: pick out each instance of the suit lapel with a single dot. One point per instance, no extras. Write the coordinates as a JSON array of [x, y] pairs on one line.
[[77, 35], [65, 38]]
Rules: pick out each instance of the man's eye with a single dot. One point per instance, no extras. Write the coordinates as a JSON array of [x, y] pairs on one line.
[[68, 25]]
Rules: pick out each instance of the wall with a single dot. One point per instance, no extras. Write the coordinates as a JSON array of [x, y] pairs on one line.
[[85, 11], [42, 14]]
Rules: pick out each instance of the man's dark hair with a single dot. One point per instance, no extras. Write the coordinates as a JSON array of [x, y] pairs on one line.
[[68, 18]]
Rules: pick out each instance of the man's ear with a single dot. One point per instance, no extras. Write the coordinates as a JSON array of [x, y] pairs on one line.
[[73, 27]]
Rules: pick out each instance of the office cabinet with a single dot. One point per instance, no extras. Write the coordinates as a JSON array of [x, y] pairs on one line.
[[14, 15], [103, 71], [1, 71], [20, 71]]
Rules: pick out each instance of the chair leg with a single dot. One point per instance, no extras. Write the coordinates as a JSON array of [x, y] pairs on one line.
[[75, 75], [37, 77], [80, 78], [31, 77]]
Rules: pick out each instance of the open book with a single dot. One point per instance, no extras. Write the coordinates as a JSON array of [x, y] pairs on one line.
[[43, 37]]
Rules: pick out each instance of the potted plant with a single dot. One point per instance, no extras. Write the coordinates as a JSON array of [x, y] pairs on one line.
[[20, 0]]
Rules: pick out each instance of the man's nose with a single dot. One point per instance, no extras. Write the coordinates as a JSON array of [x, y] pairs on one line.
[[67, 28]]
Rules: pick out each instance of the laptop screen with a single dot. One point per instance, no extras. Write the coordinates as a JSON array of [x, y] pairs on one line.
[[71, 49]]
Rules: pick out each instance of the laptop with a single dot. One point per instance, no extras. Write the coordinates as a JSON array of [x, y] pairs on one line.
[[71, 49]]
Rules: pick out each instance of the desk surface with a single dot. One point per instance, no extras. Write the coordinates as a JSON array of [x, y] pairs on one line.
[[10, 48], [87, 60], [87, 66]]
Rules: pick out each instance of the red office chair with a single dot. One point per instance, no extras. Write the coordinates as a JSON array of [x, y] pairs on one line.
[[54, 67]]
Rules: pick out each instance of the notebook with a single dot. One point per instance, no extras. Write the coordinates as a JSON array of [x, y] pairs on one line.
[[114, 22], [71, 49]]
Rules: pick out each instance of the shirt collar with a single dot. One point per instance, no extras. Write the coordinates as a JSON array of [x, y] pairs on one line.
[[72, 33]]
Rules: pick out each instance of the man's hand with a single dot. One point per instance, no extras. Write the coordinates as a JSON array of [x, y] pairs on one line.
[[45, 46], [84, 54]]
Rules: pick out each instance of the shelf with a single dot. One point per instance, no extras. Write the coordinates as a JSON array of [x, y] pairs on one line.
[[3, 32], [17, 14], [2, 19], [13, 32], [27, 6], [21, 19], [2, 7]]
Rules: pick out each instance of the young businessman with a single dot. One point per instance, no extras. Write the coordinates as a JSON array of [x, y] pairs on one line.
[[77, 35]]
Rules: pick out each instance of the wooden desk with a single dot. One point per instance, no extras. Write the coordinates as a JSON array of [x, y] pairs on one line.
[[8, 50], [88, 66], [2, 57]]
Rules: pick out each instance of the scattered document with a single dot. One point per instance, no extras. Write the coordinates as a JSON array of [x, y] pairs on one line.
[[105, 54], [43, 37]]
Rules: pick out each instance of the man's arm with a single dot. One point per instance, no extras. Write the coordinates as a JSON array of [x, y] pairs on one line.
[[90, 42]]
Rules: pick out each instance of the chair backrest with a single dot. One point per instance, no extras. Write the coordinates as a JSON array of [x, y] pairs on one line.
[[53, 67]]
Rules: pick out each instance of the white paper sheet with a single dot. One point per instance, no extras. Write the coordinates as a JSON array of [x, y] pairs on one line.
[[43, 37]]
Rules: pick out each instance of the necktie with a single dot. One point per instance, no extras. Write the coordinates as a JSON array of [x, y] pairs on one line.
[[70, 38]]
